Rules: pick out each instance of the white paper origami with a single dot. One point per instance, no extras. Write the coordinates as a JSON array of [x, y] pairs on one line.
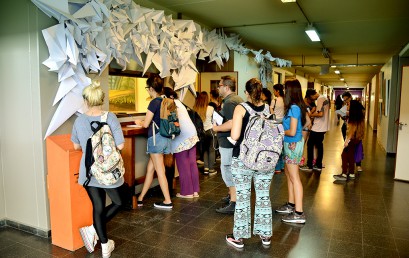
[[91, 33]]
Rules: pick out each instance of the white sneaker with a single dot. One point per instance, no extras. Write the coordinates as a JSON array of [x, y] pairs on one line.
[[108, 248], [89, 237]]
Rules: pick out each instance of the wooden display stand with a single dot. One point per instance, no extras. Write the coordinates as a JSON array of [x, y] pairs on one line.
[[70, 207]]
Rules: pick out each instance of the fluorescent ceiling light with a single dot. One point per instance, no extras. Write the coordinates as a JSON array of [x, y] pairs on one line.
[[337, 71], [333, 66], [312, 33], [288, 1], [341, 79]]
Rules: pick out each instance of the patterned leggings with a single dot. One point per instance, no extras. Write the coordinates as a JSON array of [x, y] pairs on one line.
[[242, 177]]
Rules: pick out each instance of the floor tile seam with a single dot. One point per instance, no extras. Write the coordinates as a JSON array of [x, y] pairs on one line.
[[390, 226], [156, 247], [381, 247], [198, 227], [136, 234], [347, 242], [39, 250], [14, 243]]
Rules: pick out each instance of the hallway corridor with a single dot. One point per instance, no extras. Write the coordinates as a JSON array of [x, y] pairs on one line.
[[366, 217]]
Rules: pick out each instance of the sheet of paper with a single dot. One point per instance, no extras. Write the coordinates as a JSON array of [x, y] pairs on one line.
[[217, 118]]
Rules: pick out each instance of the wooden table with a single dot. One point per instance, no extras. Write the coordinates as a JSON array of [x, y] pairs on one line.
[[128, 153]]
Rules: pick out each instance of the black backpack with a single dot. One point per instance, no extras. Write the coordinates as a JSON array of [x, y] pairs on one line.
[[197, 121]]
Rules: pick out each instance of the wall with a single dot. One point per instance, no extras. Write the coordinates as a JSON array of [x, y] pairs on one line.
[[22, 151], [382, 133], [373, 112], [247, 68], [304, 83], [2, 202]]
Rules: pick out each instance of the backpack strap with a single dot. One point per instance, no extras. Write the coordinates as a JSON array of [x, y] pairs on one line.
[[248, 108], [104, 117], [251, 111]]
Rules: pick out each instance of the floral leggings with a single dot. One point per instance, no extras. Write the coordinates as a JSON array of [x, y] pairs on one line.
[[242, 177]]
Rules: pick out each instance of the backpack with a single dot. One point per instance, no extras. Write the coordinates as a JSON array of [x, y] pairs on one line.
[[102, 158], [169, 122], [263, 140], [197, 121]]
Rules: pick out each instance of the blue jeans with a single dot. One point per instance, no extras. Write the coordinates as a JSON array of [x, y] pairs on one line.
[[226, 155], [161, 145], [263, 225]]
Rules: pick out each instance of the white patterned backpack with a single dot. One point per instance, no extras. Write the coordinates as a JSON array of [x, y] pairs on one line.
[[263, 140], [102, 158]]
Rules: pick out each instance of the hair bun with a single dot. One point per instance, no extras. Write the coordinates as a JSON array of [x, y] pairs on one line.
[[96, 83]]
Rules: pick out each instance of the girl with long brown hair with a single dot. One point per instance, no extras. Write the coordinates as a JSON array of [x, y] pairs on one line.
[[355, 134], [207, 144], [293, 122]]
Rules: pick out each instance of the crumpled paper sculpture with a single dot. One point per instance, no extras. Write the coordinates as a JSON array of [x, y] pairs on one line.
[[91, 33]]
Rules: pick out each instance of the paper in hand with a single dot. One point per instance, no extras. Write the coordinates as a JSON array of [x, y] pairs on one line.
[[217, 118], [342, 112]]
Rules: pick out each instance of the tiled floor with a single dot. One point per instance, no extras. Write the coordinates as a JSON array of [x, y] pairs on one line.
[[368, 217]]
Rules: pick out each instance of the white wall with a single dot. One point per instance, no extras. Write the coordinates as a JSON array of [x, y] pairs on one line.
[[26, 98], [22, 146], [317, 87], [247, 68], [374, 108], [2, 202], [383, 127]]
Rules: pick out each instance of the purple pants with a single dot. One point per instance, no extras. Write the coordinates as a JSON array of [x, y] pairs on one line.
[[188, 172]]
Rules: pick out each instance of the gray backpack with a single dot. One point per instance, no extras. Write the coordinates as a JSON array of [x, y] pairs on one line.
[[263, 140]]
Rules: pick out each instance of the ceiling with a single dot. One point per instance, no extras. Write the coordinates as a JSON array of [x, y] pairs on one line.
[[360, 35]]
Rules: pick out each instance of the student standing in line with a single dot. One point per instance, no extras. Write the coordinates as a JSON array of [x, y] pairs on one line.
[[316, 138], [184, 149], [227, 89], [310, 96], [354, 135], [81, 132], [277, 108], [215, 100], [293, 122], [266, 96], [347, 97], [205, 112], [157, 145], [243, 176]]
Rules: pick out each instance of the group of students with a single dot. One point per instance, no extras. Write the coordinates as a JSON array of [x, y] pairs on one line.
[[183, 148], [289, 108]]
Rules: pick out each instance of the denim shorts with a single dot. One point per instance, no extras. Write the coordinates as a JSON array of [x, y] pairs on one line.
[[293, 152], [162, 144]]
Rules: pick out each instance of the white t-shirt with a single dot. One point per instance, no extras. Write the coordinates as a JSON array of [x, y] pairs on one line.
[[321, 123], [278, 106]]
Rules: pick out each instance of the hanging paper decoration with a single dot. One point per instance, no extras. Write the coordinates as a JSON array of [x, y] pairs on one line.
[[89, 35]]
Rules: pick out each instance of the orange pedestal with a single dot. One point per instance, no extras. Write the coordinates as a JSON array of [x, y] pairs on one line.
[[70, 207]]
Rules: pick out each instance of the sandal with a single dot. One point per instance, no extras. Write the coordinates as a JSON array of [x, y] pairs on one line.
[[195, 195], [184, 196]]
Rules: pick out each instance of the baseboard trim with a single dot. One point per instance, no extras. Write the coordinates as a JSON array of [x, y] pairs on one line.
[[25, 228]]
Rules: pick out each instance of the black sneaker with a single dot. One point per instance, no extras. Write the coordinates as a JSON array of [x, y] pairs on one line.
[[234, 242], [315, 168], [162, 205], [226, 199], [229, 209]]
